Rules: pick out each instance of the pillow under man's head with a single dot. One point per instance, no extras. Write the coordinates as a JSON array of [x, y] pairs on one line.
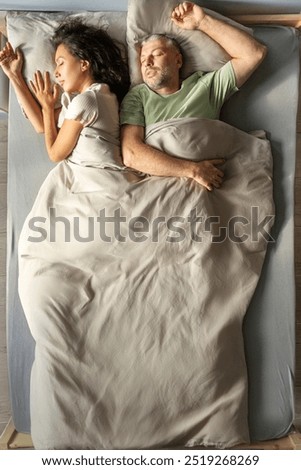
[[147, 17]]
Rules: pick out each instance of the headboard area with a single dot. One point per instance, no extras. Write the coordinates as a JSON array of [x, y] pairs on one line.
[[226, 7]]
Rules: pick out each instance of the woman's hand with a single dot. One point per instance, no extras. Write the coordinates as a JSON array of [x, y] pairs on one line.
[[11, 61], [44, 90], [188, 15]]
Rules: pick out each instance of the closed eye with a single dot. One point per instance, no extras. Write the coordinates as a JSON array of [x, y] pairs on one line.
[[155, 53], [59, 61]]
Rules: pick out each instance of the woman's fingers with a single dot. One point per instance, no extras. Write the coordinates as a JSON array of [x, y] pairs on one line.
[[43, 81], [33, 87], [44, 90], [10, 48], [56, 91], [38, 80], [7, 54], [47, 82]]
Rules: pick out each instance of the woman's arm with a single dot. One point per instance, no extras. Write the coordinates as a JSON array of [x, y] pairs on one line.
[[12, 62], [59, 143]]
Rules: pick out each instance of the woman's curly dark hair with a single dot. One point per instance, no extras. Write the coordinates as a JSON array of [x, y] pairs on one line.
[[91, 43]]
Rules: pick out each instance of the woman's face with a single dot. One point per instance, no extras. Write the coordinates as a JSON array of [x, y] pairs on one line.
[[71, 73]]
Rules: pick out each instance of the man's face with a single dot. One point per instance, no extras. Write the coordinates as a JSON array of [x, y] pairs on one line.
[[160, 64]]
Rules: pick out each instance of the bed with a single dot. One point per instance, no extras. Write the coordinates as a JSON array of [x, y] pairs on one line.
[[269, 324]]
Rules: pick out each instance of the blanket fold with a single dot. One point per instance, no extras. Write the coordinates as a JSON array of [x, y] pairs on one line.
[[135, 289]]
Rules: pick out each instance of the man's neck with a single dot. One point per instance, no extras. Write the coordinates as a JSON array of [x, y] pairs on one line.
[[168, 90]]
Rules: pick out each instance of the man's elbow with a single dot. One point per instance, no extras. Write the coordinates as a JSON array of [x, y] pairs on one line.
[[260, 53], [256, 58], [128, 156], [132, 144]]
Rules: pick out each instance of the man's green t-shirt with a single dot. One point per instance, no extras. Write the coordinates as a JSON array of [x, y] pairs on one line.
[[201, 95]]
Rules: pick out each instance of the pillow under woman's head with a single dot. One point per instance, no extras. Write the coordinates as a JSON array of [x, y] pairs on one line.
[[147, 17], [32, 32]]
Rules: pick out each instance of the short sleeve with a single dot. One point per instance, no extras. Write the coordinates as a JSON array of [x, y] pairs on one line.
[[83, 108], [223, 85], [132, 109]]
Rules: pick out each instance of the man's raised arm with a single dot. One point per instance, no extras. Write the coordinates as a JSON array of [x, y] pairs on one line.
[[245, 51]]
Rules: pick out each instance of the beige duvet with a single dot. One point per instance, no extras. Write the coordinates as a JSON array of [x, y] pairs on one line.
[[135, 289]]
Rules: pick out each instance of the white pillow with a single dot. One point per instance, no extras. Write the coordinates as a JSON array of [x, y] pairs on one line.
[[150, 17], [32, 32], [3, 23]]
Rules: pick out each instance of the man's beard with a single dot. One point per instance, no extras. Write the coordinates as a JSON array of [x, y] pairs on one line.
[[159, 81]]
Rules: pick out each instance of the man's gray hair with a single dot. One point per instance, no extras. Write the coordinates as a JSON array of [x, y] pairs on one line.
[[169, 41]]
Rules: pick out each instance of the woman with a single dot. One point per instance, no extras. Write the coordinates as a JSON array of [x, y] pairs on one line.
[[91, 71]]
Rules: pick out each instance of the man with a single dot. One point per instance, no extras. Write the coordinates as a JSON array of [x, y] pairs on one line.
[[162, 96]]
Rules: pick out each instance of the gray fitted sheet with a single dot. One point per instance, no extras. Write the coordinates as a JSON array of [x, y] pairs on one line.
[[268, 101]]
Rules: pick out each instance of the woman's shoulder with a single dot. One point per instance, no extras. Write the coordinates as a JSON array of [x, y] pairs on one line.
[[99, 87], [86, 100], [82, 107], [98, 90], [98, 93]]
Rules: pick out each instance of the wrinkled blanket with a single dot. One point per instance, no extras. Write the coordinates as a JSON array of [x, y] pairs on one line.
[[135, 289]]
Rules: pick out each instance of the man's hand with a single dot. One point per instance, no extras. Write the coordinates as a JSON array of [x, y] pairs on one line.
[[207, 174], [245, 51], [187, 15], [142, 157]]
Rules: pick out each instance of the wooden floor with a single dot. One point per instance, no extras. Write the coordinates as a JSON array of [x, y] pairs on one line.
[[12, 439]]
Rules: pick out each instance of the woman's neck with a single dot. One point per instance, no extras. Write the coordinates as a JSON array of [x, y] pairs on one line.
[[86, 84]]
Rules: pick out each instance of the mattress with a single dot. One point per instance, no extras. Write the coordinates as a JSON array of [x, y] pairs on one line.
[[268, 101]]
